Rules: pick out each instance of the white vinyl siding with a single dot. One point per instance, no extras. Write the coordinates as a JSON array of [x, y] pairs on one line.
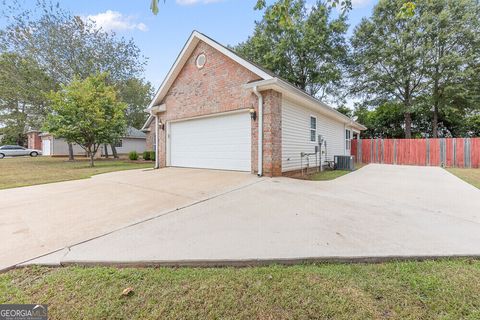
[[59, 147], [296, 126], [217, 142], [127, 145]]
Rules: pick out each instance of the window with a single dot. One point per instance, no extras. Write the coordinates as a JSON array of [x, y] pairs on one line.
[[201, 60], [348, 139], [118, 144], [313, 129]]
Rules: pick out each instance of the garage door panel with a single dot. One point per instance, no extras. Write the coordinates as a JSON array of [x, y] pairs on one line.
[[220, 142]]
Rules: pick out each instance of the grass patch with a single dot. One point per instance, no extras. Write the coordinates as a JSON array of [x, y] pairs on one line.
[[471, 176], [325, 175], [26, 171], [447, 289]]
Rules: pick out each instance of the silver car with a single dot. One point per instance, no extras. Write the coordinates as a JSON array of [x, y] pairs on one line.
[[13, 151]]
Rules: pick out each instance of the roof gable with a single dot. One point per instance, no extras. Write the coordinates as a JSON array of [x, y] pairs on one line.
[[184, 55], [265, 75]]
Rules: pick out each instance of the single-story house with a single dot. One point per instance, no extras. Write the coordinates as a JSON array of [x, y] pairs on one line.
[[215, 108], [134, 140]]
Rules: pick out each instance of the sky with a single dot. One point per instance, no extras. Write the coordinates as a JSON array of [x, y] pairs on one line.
[[161, 37]]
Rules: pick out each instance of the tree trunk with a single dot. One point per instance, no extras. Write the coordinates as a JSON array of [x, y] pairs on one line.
[[407, 102], [436, 98], [105, 147], [70, 152], [114, 151], [408, 125], [92, 157]]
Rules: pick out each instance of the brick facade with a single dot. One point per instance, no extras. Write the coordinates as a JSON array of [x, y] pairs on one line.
[[33, 140], [272, 133], [216, 88]]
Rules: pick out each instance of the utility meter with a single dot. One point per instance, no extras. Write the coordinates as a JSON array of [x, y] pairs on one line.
[[320, 139]]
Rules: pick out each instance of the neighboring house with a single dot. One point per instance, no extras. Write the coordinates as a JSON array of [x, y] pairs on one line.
[[134, 140], [34, 141], [211, 106], [52, 146]]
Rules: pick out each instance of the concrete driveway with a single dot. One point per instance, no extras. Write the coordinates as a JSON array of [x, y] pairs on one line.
[[40, 219], [380, 211]]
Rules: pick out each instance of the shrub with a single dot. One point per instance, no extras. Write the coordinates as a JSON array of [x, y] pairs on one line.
[[133, 155], [152, 155], [146, 155]]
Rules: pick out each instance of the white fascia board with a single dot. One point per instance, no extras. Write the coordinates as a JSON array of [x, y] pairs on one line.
[[304, 98], [147, 123]]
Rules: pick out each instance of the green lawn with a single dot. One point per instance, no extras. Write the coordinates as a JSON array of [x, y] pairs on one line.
[[471, 176], [26, 171], [448, 289], [331, 174]]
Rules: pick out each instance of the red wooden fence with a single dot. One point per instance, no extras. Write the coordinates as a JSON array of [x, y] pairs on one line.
[[449, 152]]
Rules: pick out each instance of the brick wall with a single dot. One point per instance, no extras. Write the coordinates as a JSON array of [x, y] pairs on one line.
[[219, 87], [272, 133], [34, 141]]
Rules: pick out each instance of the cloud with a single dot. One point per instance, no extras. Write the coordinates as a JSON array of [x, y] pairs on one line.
[[360, 3], [116, 21], [192, 2]]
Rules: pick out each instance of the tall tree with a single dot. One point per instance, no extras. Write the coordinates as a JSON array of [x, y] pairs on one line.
[[311, 53], [23, 103], [87, 113], [280, 10], [65, 46], [137, 94], [385, 121], [452, 28], [390, 58]]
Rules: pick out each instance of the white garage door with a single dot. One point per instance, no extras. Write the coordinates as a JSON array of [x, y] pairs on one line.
[[219, 142], [46, 147]]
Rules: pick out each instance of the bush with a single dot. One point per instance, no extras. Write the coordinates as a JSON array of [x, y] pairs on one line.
[[152, 155], [133, 155], [146, 155]]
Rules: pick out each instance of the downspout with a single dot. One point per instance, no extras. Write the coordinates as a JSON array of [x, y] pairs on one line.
[[260, 131], [157, 160]]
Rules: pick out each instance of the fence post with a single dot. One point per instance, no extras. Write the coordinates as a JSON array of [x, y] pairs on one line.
[[382, 151], [427, 143], [394, 151], [454, 151], [359, 150], [467, 153], [371, 151], [442, 152]]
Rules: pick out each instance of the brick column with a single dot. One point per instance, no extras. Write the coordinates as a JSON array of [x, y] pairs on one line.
[[161, 142], [272, 133]]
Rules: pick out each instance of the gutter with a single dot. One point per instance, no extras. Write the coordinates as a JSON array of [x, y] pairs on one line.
[[259, 131], [157, 160], [154, 111], [289, 90]]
